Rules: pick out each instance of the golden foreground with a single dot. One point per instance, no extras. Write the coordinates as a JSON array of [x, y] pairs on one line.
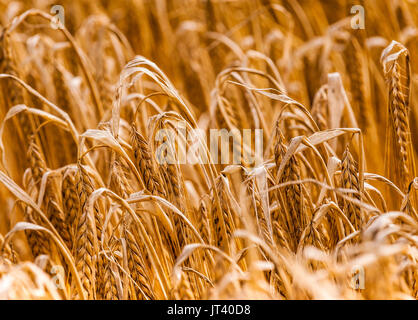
[[88, 211]]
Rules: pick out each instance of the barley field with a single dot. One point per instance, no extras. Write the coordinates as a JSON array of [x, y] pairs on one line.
[[314, 197]]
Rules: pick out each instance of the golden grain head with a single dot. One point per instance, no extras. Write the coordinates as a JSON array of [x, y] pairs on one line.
[[242, 149]]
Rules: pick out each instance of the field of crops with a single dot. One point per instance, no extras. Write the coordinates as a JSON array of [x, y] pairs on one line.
[[208, 149]]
